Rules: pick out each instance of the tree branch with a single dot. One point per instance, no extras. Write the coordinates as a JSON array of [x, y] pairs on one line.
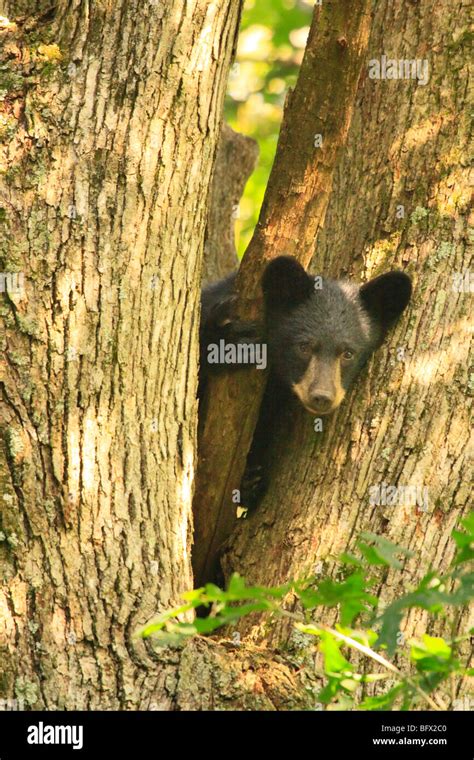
[[292, 213]]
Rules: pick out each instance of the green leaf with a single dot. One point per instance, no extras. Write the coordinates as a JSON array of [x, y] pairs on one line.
[[383, 552], [464, 541], [374, 677], [382, 701], [238, 591], [431, 596], [366, 637], [350, 594], [160, 621], [329, 691], [433, 645], [194, 595], [334, 660], [432, 654], [350, 559], [391, 622]]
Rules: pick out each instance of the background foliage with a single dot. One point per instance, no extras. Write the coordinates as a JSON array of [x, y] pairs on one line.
[[434, 670], [271, 45]]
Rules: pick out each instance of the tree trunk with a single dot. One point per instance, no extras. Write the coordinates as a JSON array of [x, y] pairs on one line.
[[236, 158], [111, 115], [314, 129], [105, 165], [401, 199]]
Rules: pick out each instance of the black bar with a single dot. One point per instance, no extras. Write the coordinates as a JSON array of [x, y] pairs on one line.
[[218, 734]]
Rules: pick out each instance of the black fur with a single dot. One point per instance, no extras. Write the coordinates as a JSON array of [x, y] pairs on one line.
[[319, 336], [218, 322]]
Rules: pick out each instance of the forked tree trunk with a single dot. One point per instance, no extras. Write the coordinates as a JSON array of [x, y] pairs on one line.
[[316, 120], [110, 121], [107, 156], [401, 199]]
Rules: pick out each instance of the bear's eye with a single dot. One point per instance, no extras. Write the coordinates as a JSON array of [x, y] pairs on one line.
[[304, 348], [348, 355]]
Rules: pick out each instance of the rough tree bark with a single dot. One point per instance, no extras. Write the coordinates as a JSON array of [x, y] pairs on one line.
[[401, 199], [315, 125], [110, 119], [98, 416], [236, 158]]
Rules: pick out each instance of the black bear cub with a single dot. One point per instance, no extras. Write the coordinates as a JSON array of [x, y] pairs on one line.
[[319, 333]]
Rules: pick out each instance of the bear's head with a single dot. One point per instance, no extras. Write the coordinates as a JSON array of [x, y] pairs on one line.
[[320, 332]]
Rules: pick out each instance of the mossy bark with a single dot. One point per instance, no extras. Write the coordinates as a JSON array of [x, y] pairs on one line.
[[316, 120], [106, 166], [401, 199], [110, 118]]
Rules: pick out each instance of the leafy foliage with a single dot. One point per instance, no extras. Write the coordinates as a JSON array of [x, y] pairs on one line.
[[363, 625], [270, 49]]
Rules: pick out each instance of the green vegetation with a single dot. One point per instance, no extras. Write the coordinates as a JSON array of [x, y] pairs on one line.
[[271, 45], [433, 664]]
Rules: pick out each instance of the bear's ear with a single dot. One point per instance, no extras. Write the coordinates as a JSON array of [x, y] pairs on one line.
[[285, 283], [386, 297]]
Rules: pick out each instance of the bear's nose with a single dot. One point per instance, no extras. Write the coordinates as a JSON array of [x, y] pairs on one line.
[[321, 402]]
